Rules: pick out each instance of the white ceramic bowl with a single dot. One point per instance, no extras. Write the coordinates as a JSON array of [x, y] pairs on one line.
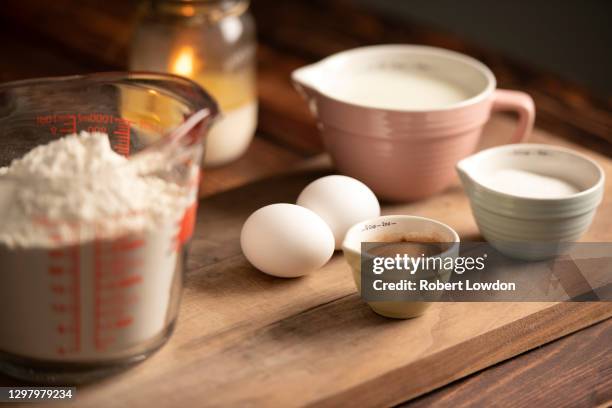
[[530, 228]]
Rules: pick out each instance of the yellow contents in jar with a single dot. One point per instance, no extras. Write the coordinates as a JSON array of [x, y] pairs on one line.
[[234, 91], [231, 134], [231, 89]]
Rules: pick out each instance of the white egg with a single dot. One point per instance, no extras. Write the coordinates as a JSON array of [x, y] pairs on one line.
[[341, 201], [286, 240]]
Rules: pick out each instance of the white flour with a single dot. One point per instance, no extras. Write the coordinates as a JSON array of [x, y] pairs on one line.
[[528, 184], [88, 251], [81, 179]]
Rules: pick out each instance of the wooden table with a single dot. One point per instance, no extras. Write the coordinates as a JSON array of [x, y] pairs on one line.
[[65, 37]]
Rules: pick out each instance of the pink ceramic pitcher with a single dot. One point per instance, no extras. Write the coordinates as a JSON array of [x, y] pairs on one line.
[[405, 147]]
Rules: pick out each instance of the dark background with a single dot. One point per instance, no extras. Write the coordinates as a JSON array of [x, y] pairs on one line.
[[570, 38]]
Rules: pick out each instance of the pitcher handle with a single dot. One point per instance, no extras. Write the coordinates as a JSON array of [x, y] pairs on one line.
[[521, 103]]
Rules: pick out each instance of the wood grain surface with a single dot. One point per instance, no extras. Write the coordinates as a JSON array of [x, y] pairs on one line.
[[245, 338], [547, 376], [280, 330]]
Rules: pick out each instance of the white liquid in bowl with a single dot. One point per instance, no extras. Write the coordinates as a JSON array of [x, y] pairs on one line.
[[528, 184], [397, 89]]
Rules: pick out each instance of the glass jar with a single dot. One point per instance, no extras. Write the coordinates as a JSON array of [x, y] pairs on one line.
[[212, 42]]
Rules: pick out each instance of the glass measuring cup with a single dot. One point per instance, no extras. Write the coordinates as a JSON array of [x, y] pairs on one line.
[[79, 299]]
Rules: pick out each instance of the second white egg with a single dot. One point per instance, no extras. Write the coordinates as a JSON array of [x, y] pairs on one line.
[[341, 201]]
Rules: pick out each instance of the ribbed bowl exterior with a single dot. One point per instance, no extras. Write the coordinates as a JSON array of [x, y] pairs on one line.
[[400, 155], [396, 124], [531, 229], [401, 169], [531, 209], [503, 228]]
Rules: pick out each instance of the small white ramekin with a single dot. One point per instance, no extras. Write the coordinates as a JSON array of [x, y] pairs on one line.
[[393, 228]]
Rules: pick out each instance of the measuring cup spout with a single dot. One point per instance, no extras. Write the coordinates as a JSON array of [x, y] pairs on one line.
[[465, 170], [305, 80]]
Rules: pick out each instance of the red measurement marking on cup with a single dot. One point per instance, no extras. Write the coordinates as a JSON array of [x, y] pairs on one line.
[[124, 322], [65, 275], [117, 268], [121, 267], [117, 128], [56, 271], [119, 300], [186, 225], [62, 307], [61, 289], [124, 283], [56, 253], [127, 244], [58, 124], [113, 311], [62, 329], [121, 139]]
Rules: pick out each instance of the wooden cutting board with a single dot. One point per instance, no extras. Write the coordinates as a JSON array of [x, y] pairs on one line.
[[247, 339]]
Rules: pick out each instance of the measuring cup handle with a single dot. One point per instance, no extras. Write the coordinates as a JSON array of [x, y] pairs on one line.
[[519, 102]]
